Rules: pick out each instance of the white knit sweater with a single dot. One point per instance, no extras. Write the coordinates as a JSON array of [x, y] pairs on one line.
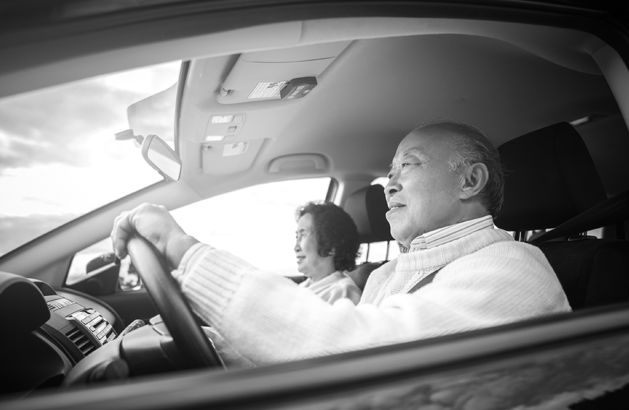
[[486, 279]]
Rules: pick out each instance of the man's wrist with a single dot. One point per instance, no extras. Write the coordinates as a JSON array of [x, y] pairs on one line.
[[177, 247]]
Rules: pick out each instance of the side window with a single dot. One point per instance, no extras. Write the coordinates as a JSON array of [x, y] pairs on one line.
[[98, 258], [89, 259], [378, 252], [256, 223]]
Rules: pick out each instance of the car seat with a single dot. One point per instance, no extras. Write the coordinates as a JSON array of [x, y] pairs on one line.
[[549, 179], [367, 207]]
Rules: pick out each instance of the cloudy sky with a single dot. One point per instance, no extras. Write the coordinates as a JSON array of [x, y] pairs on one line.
[[58, 154]]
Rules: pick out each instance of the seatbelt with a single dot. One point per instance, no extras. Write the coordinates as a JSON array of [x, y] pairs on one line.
[[604, 213], [425, 281]]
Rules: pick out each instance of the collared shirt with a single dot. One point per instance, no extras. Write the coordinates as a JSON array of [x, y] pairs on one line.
[[447, 234]]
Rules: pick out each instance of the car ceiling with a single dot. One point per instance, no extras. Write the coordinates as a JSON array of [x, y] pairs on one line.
[[504, 79]]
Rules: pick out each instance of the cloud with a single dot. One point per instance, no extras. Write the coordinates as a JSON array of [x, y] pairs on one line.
[[47, 128], [17, 230], [54, 125]]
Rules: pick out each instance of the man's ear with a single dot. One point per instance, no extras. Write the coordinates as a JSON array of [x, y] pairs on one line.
[[474, 179]]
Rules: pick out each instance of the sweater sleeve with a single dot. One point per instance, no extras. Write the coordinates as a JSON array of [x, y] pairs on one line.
[[267, 318]]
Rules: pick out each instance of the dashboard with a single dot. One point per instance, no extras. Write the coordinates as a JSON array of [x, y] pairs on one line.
[[47, 332]]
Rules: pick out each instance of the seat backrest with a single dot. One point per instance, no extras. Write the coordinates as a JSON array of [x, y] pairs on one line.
[[550, 178], [362, 272], [367, 207]]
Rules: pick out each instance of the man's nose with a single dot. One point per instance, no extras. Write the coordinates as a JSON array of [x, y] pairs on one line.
[[297, 248], [392, 186]]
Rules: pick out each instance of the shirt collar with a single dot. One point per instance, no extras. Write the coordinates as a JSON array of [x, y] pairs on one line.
[[332, 277], [450, 233]]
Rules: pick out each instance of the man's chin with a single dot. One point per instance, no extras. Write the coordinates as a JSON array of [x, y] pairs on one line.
[[396, 232], [400, 238]]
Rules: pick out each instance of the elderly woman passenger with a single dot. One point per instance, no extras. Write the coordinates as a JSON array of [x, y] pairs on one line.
[[326, 245]]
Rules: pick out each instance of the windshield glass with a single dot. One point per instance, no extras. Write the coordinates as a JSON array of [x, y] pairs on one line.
[[59, 157]]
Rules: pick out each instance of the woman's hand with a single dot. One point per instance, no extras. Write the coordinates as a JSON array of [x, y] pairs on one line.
[[155, 224]]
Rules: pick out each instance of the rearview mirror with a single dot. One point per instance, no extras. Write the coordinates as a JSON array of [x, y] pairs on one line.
[[158, 154]]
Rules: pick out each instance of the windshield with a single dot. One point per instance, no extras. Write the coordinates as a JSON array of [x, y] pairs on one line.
[[59, 157]]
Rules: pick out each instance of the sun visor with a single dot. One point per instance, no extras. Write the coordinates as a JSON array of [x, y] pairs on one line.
[[277, 74]]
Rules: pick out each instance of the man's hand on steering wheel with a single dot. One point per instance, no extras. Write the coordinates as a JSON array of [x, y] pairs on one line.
[[155, 224]]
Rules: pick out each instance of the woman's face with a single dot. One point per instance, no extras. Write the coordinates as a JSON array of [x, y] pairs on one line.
[[309, 262]]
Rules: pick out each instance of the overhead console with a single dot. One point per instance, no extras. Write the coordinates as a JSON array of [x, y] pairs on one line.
[[255, 82]]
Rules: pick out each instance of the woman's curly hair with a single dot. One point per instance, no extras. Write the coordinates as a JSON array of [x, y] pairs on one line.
[[335, 231]]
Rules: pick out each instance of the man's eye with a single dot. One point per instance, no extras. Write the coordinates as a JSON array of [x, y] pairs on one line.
[[408, 164]]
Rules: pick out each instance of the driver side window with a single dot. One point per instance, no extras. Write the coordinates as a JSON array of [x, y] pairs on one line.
[[256, 223]]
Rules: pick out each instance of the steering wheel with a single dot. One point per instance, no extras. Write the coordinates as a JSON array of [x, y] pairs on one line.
[[189, 338]]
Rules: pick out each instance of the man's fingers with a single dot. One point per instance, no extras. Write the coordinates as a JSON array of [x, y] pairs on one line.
[[120, 233], [153, 222]]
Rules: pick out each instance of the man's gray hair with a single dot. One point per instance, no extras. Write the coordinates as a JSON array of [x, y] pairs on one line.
[[471, 147]]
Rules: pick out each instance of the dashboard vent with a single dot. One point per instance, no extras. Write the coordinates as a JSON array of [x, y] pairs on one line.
[[111, 335], [58, 303], [81, 340]]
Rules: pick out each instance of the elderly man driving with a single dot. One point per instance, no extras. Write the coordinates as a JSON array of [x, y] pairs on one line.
[[457, 271]]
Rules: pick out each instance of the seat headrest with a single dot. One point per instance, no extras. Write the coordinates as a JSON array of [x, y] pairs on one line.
[[368, 207], [549, 178]]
